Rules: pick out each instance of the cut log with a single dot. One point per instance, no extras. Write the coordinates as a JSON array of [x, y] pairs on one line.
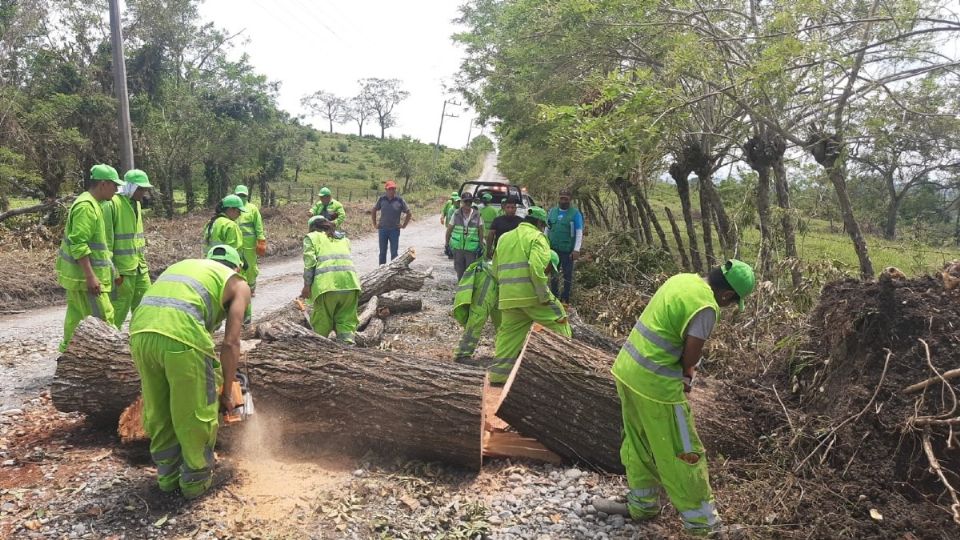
[[587, 429], [414, 407], [590, 335], [294, 311], [509, 444], [130, 427], [372, 335], [389, 277], [96, 375], [368, 312], [399, 302]]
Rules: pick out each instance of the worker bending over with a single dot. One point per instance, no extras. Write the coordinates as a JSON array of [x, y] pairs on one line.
[[330, 280]]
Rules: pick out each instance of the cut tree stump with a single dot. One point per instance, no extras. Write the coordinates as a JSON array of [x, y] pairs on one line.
[[509, 444], [416, 407], [400, 302], [395, 275], [587, 427], [590, 335], [96, 375]]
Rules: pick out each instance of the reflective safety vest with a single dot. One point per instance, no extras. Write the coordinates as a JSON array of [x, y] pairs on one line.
[[123, 222], [84, 236], [519, 266], [185, 304], [327, 211], [466, 234], [327, 265], [649, 362], [223, 231], [251, 226], [562, 235], [477, 282]]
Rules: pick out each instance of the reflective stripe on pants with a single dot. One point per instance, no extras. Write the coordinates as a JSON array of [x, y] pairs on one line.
[[336, 310]]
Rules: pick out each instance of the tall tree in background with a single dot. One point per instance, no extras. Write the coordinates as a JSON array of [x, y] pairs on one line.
[[382, 96], [359, 111], [326, 105]]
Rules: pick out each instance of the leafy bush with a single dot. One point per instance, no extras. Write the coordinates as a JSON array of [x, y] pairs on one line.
[[343, 147]]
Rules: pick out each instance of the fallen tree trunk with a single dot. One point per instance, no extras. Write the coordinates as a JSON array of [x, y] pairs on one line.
[[368, 311], [372, 335], [293, 311], [399, 302], [411, 406], [96, 375], [389, 277], [590, 335], [553, 369]]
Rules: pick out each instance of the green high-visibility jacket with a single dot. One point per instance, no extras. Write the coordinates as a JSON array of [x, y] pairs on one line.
[[84, 236], [327, 265], [562, 236], [519, 266], [489, 213], [123, 224], [448, 209], [327, 211], [466, 231], [186, 304], [475, 286], [649, 362], [251, 226], [223, 231]]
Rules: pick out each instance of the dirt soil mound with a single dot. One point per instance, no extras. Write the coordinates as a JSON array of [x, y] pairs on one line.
[[871, 340]]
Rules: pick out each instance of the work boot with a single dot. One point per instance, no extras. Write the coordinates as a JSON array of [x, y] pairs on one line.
[[611, 507], [223, 473]]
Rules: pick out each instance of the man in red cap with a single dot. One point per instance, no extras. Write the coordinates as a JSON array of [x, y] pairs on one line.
[[390, 207]]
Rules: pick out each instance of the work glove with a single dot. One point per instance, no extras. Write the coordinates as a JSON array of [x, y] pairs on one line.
[[261, 248]]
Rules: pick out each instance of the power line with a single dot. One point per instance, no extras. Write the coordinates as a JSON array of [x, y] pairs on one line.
[[319, 21]]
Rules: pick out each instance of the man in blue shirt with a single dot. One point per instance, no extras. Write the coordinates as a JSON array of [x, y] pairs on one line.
[[390, 207], [565, 232]]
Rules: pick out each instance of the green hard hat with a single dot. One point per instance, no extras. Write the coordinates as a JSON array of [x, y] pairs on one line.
[[102, 172], [455, 198], [232, 201], [241, 190], [325, 192], [537, 213], [554, 260], [740, 276], [223, 252], [137, 178], [487, 196], [455, 194]]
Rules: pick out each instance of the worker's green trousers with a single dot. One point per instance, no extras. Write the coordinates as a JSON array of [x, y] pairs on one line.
[[655, 436], [180, 406], [515, 323], [473, 329], [80, 305], [336, 310], [127, 296], [250, 276]]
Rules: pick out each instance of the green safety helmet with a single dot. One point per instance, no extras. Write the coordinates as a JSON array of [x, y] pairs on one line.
[[554, 260], [137, 178], [739, 276], [537, 213], [232, 201], [325, 192], [455, 194], [223, 252], [487, 196], [455, 198], [103, 172], [241, 190]]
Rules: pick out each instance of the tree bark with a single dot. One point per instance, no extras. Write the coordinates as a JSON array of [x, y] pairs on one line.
[[706, 221], [187, 177], [372, 334], [96, 375], [728, 234], [890, 223], [586, 333], [786, 219], [35, 208], [398, 302], [664, 245], [553, 369], [683, 189], [677, 238], [763, 210], [368, 312], [389, 277], [839, 181], [644, 217], [415, 407]]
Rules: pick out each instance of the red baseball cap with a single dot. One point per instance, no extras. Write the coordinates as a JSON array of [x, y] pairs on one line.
[[390, 184]]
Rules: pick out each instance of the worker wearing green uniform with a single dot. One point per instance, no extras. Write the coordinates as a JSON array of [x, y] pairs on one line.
[[330, 280], [254, 239], [222, 227], [180, 376], [488, 212], [84, 265], [452, 204], [519, 267], [654, 369], [123, 225], [329, 208]]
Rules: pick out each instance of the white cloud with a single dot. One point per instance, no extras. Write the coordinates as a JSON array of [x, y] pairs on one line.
[[310, 45]]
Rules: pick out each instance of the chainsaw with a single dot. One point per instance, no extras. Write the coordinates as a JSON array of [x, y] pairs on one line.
[[243, 400]]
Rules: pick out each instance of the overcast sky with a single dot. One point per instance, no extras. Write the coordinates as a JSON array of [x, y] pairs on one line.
[[311, 45]]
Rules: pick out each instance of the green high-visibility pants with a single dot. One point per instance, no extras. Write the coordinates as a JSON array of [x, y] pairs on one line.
[[655, 436], [180, 405], [515, 323], [336, 310], [253, 269], [473, 329], [80, 305], [127, 296]]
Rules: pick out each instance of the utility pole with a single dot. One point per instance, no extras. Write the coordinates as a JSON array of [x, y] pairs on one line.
[[120, 87], [470, 132], [443, 114]]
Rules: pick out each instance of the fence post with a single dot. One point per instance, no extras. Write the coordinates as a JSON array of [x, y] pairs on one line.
[[312, 194]]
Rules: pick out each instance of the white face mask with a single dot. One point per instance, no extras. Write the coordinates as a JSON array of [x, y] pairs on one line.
[[127, 189]]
